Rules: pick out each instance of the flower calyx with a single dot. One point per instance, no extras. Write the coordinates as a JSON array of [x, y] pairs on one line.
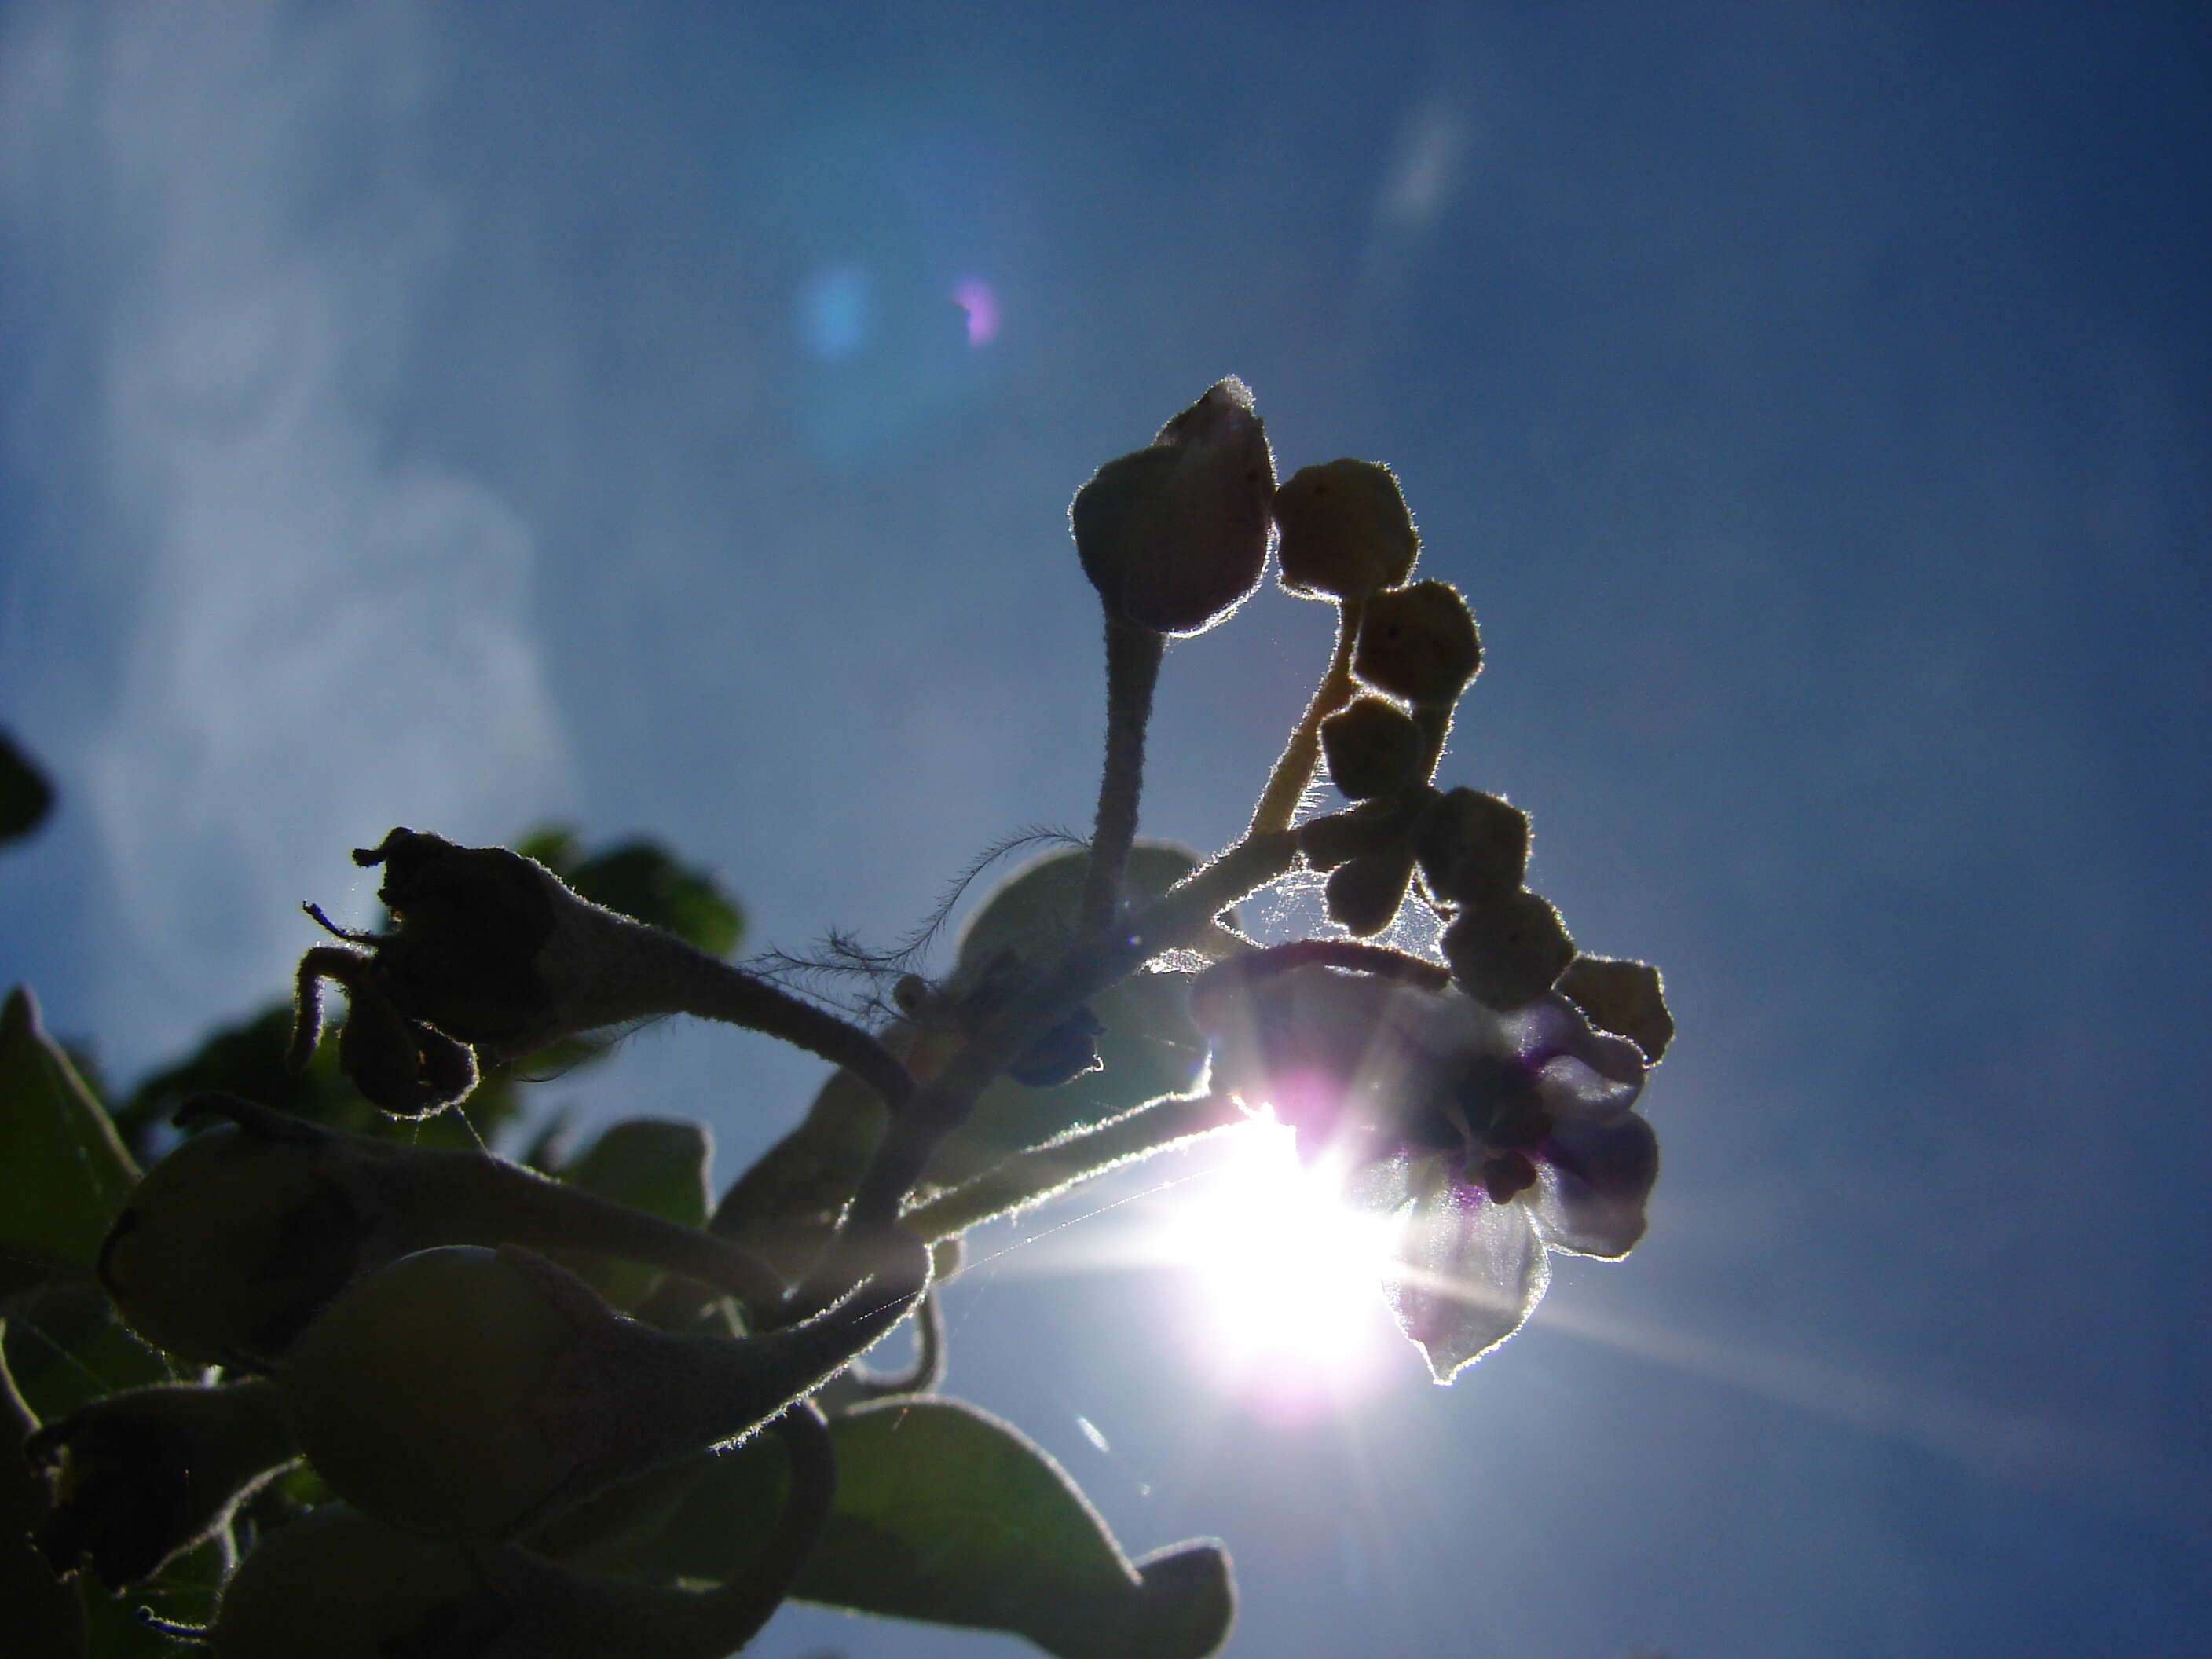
[[140, 1476]]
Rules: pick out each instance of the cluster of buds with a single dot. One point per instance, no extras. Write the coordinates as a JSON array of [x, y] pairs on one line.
[[465, 1434]]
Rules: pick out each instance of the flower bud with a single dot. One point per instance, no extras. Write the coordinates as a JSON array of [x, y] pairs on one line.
[[419, 1394], [1372, 747], [226, 1247], [1627, 998], [335, 1584], [467, 1393], [142, 1476], [1474, 846], [1508, 951], [1345, 531], [1364, 893], [493, 950], [1419, 643], [1371, 827], [1173, 537]]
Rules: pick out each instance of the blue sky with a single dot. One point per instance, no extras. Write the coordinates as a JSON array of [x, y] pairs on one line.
[[463, 416]]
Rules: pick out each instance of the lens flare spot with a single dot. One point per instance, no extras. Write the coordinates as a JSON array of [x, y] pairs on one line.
[[836, 311], [980, 301], [1286, 1312]]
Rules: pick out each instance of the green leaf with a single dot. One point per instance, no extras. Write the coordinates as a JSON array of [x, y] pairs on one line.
[[1149, 1047], [657, 1164], [1033, 911], [943, 1513], [45, 1615], [26, 797], [64, 1173]]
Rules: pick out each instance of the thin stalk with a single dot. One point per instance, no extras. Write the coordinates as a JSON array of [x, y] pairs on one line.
[[1132, 671], [713, 989], [1031, 1177], [943, 1103], [1293, 772]]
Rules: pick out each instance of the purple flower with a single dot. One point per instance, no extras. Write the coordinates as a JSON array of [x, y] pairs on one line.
[[1496, 1137]]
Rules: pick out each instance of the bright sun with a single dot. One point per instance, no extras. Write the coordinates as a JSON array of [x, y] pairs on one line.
[[1287, 1312]]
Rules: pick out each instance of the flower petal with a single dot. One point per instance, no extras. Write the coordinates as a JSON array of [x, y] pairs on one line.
[[1595, 1179], [1469, 1271]]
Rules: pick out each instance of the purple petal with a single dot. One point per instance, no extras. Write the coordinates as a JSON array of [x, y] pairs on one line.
[[1469, 1273], [1596, 1178], [1551, 1026]]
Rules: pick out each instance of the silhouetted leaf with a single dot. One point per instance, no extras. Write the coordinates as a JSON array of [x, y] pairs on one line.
[[63, 1172], [45, 1615], [945, 1514], [26, 797], [1148, 1045], [657, 1164]]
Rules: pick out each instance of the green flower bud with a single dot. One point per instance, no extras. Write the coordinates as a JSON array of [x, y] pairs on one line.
[[1372, 747], [1508, 951], [341, 1585], [1174, 537], [142, 1476], [421, 1394], [1345, 531], [337, 1585], [468, 1392], [228, 1248], [1419, 643], [1627, 998], [1364, 894], [1474, 846]]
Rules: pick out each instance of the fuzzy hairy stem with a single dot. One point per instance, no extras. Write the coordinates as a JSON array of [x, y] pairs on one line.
[[1293, 772], [710, 989], [1132, 671], [1033, 1176], [942, 1104]]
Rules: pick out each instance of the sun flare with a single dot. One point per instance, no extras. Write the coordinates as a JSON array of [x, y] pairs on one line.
[[1287, 1311]]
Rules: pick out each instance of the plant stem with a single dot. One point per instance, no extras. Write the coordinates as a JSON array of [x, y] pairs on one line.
[[1294, 768], [1132, 669], [1033, 1176], [943, 1103], [710, 989]]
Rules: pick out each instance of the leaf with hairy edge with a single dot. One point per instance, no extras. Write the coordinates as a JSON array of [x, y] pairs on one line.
[[945, 1514], [656, 1165], [63, 1174], [1148, 1045]]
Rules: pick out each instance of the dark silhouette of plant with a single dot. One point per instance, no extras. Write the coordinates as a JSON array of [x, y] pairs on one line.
[[318, 1386]]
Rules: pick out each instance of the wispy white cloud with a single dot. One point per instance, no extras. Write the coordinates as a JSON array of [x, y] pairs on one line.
[[316, 632], [1424, 168]]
